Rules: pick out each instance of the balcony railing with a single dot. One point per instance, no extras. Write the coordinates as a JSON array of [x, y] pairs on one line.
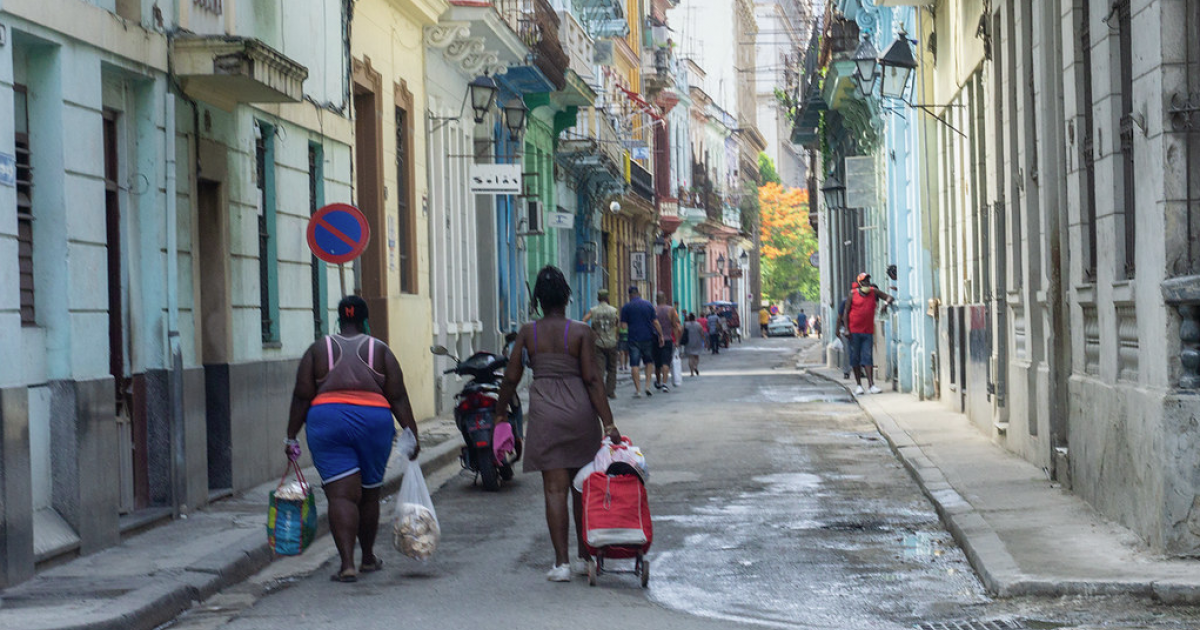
[[641, 181], [536, 23], [593, 123]]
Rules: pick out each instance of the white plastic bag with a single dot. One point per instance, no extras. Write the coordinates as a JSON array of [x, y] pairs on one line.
[[415, 529], [836, 344], [676, 369]]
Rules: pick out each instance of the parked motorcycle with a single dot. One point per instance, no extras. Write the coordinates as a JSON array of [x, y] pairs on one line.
[[474, 415]]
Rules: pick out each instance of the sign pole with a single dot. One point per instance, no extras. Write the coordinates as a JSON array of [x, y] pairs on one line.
[[342, 278]]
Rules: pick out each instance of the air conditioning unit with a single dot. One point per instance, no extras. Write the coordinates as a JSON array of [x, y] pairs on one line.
[[534, 221]]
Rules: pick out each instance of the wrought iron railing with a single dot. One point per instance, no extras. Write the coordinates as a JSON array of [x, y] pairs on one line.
[[536, 23]]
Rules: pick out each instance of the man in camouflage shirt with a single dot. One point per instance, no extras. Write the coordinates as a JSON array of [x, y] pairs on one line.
[[604, 320]]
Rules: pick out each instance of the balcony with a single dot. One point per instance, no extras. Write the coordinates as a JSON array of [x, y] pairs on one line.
[[536, 23], [641, 182], [227, 70], [602, 18]]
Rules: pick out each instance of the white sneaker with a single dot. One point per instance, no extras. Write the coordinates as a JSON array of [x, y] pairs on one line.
[[560, 573], [858, 391], [579, 566], [875, 390]]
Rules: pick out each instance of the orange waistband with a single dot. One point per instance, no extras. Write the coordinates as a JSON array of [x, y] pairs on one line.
[[349, 397]]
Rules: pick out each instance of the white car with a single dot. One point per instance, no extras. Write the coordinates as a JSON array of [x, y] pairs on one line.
[[781, 326]]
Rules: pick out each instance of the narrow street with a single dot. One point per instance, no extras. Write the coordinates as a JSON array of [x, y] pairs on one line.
[[776, 504]]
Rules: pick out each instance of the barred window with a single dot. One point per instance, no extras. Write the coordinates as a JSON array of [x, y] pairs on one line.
[[24, 204], [264, 157]]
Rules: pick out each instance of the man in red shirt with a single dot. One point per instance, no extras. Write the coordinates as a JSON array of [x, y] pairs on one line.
[[860, 320]]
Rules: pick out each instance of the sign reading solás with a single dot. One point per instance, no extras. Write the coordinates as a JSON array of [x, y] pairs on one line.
[[496, 179]]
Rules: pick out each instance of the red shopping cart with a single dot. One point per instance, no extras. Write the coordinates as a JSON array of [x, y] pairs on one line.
[[616, 522]]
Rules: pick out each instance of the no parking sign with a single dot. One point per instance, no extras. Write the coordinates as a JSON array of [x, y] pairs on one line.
[[338, 233]]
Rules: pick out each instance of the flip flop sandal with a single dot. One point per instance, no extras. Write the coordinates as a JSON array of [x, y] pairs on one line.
[[344, 577], [371, 567]]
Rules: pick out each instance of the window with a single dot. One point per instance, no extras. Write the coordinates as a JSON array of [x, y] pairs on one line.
[[1125, 46], [24, 204], [406, 230], [316, 199], [1088, 145], [264, 157]]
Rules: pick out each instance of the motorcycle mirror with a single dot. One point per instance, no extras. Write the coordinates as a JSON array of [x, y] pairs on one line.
[[440, 351]]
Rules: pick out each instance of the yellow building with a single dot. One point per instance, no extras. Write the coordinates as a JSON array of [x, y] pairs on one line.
[[387, 47]]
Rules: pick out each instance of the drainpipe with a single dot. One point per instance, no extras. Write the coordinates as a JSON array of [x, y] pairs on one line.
[[175, 376]]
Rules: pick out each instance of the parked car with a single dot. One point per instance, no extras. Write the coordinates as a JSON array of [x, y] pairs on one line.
[[781, 326]]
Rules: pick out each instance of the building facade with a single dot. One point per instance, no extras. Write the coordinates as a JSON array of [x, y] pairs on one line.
[[186, 190], [1054, 298]]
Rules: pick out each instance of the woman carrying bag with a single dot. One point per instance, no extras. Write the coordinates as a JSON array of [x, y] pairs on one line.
[[349, 387]]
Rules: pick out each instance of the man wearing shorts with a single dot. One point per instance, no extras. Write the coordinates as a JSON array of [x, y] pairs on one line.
[[668, 322], [645, 337], [860, 319]]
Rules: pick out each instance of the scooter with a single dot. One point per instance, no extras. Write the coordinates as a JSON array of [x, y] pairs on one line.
[[474, 409]]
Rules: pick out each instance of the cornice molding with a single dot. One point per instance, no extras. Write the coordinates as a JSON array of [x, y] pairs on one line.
[[459, 48]]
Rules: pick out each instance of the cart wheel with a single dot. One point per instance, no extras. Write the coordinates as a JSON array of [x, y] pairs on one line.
[[592, 570], [645, 573]]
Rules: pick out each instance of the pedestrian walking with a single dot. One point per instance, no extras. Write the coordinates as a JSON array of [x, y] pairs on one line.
[[672, 329], [860, 321], [714, 331], [622, 347], [565, 400], [349, 387], [645, 337], [694, 333], [802, 323], [816, 325], [764, 318], [604, 321], [844, 334]]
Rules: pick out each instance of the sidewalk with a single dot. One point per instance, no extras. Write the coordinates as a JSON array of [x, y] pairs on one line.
[[1021, 533], [152, 577]]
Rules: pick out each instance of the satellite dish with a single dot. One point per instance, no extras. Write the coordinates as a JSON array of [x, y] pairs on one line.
[[614, 207]]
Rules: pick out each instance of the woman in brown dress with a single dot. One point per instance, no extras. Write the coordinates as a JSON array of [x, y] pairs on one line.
[[567, 407]]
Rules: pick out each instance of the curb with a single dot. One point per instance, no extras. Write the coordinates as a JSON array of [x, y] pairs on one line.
[[233, 564], [985, 551]]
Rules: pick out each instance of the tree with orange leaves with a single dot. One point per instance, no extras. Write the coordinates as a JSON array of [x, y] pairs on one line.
[[787, 242]]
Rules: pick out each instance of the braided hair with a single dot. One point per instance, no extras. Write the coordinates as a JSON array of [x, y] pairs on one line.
[[551, 289]]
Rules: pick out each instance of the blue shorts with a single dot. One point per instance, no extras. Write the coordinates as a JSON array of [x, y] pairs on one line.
[[641, 352], [347, 439], [861, 349]]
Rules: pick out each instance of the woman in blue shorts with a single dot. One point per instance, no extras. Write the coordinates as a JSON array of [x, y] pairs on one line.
[[348, 389]]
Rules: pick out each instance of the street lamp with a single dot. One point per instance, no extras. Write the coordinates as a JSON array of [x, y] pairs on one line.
[[834, 192], [721, 263], [896, 64], [483, 93], [865, 60], [744, 259], [514, 117], [660, 245]]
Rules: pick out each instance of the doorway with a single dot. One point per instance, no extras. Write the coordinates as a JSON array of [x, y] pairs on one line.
[[371, 267], [131, 425], [213, 312]]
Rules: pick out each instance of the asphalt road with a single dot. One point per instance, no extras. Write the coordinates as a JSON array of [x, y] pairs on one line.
[[775, 502]]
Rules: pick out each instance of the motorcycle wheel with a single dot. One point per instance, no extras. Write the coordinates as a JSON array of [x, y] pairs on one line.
[[487, 470], [506, 472]]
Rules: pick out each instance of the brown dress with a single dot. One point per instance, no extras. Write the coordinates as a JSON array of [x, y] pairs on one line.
[[562, 429]]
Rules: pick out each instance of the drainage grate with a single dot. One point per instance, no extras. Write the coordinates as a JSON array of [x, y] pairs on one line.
[[974, 624]]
